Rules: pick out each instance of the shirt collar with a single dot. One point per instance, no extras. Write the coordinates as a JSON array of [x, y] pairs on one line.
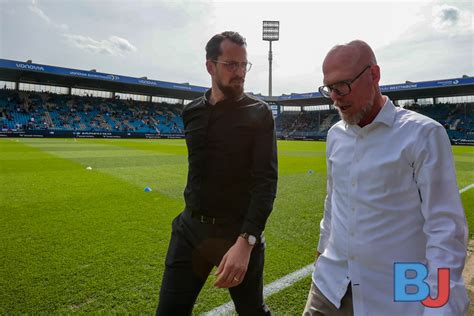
[[387, 114], [207, 95]]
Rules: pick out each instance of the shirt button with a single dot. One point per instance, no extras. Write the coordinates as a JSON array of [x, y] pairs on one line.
[[353, 183]]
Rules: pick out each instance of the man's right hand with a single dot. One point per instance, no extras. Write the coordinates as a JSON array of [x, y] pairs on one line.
[[233, 266]]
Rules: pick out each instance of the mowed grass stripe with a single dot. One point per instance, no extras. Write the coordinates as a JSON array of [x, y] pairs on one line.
[[164, 172], [75, 239], [139, 223]]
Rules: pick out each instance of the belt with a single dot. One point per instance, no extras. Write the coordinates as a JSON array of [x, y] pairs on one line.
[[211, 220]]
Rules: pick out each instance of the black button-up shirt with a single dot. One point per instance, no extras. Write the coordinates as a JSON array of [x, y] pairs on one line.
[[232, 157]]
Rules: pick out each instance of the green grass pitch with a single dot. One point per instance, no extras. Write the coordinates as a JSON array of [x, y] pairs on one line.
[[82, 241]]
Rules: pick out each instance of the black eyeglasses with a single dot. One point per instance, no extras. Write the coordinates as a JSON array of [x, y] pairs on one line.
[[232, 66], [342, 88]]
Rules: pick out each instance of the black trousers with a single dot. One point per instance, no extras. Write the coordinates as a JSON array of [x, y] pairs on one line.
[[194, 249]]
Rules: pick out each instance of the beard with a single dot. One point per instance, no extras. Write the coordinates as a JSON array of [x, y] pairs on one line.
[[354, 119], [231, 91]]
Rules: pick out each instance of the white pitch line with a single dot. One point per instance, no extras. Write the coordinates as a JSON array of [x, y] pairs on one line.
[[466, 188], [287, 280], [280, 284], [272, 288]]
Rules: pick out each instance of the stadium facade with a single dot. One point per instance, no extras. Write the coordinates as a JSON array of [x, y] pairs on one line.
[[47, 101]]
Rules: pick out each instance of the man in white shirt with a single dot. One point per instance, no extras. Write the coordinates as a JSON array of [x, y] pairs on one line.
[[391, 198]]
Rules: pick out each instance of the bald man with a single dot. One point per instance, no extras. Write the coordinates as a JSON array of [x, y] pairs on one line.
[[392, 198]]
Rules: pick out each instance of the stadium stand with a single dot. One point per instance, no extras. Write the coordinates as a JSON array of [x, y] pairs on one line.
[[102, 114], [458, 119], [305, 124], [20, 110]]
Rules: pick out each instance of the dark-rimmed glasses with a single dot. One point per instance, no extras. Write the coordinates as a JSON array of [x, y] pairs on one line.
[[232, 66], [342, 88]]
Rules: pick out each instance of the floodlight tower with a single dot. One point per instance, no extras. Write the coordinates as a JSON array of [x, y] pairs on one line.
[[271, 32]]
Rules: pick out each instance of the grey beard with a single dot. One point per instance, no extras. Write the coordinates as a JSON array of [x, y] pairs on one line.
[[356, 118]]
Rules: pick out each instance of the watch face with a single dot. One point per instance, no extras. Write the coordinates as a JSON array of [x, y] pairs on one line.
[[252, 240]]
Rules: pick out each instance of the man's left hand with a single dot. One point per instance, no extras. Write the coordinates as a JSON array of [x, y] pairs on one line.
[[234, 264]]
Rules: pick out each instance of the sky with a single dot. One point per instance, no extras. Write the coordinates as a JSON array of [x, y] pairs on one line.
[[165, 40]]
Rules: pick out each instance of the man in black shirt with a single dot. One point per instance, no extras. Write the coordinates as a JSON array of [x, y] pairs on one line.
[[232, 181]]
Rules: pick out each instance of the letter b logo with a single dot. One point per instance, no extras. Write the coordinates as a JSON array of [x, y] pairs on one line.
[[422, 293]]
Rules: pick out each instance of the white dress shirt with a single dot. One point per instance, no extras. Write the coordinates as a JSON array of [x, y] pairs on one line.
[[392, 197]]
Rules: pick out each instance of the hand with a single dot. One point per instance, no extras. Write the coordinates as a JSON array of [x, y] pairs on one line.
[[234, 264]]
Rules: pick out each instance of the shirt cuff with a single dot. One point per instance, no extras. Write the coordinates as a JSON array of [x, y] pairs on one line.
[[251, 229]]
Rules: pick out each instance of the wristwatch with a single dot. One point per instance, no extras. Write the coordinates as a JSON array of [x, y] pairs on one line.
[[251, 239]]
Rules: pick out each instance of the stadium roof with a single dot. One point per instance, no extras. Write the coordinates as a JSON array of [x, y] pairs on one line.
[[28, 72], [402, 91], [17, 71]]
